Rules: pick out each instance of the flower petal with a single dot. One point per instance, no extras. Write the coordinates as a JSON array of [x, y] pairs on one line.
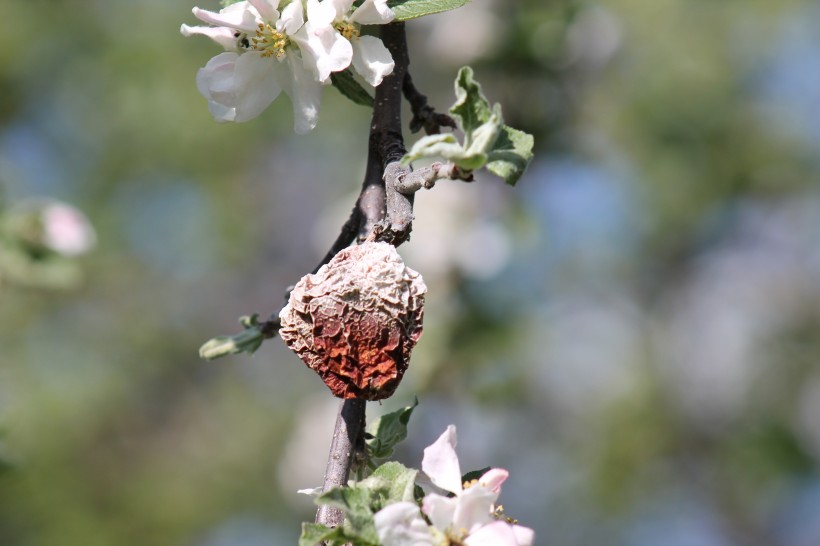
[[292, 18], [373, 12], [323, 49], [439, 510], [371, 59], [238, 16], [267, 9], [320, 14], [493, 479], [440, 462], [257, 84], [524, 536], [305, 93], [216, 83], [474, 508], [221, 35], [497, 533], [401, 524]]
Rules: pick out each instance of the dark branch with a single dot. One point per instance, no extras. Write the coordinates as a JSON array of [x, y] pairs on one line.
[[348, 438], [424, 115]]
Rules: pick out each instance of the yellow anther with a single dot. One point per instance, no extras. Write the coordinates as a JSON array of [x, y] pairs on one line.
[[269, 41], [348, 30]]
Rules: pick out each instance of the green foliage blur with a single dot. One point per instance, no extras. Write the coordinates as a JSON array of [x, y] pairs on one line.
[[632, 330]]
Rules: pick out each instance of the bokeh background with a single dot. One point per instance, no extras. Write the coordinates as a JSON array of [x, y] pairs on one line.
[[633, 331]]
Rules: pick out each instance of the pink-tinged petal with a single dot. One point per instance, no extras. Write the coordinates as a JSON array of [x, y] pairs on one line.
[[320, 14], [267, 9], [373, 12], [493, 479], [323, 50], [474, 508], [440, 462], [221, 35], [216, 83], [371, 59], [498, 533], [524, 536], [237, 16], [292, 18], [305, 93], [439, 510], [257, 84], [401, 524]]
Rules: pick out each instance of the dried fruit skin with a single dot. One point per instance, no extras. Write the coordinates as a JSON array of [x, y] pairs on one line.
[[356, 320]]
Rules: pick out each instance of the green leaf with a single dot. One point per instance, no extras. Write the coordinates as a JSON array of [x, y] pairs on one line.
[[356, 503], [410, 9], [400, 482], [246, 341], [510, 155], [471, 109], [387, 431], [446, 146], [347, 85], [316, 533]]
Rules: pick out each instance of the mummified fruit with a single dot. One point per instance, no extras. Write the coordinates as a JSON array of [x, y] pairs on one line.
[[356, 320]]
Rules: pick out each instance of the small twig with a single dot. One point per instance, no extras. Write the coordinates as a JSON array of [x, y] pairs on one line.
[[424, 115]]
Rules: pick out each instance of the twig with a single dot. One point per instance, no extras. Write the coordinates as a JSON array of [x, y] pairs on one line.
[[424, 115]]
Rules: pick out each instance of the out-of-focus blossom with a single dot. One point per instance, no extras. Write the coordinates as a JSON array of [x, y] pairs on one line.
[[66, 230]]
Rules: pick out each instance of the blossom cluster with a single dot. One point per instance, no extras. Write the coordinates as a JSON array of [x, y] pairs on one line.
[[287, 45], [467, 515]]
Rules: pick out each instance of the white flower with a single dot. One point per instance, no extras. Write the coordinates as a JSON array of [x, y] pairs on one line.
[[329, 23], [66, 230], [264, 56], [470, 516]]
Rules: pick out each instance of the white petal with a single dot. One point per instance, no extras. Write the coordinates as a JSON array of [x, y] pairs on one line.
[[373, 12], [474, 508], [257, 84], [267, 9], [498, 533], [292, 18], [439, 510], [440, 462], [371, 59], [238, 16], [216, 83], [493, 478], [341, 7], [401, 524], [221, 35], [320, 14], [305, 93], [324, 50]]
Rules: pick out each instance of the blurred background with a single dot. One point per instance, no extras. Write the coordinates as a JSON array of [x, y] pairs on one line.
[[633, 331]]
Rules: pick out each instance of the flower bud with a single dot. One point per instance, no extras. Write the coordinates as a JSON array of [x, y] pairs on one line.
[[356, 320]]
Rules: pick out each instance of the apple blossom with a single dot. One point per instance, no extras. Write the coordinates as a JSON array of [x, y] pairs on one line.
[[329, 21], [268, 51], [469, 516]]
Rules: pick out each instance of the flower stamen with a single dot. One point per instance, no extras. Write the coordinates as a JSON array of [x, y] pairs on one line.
[[348, 30], [269, 41]]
